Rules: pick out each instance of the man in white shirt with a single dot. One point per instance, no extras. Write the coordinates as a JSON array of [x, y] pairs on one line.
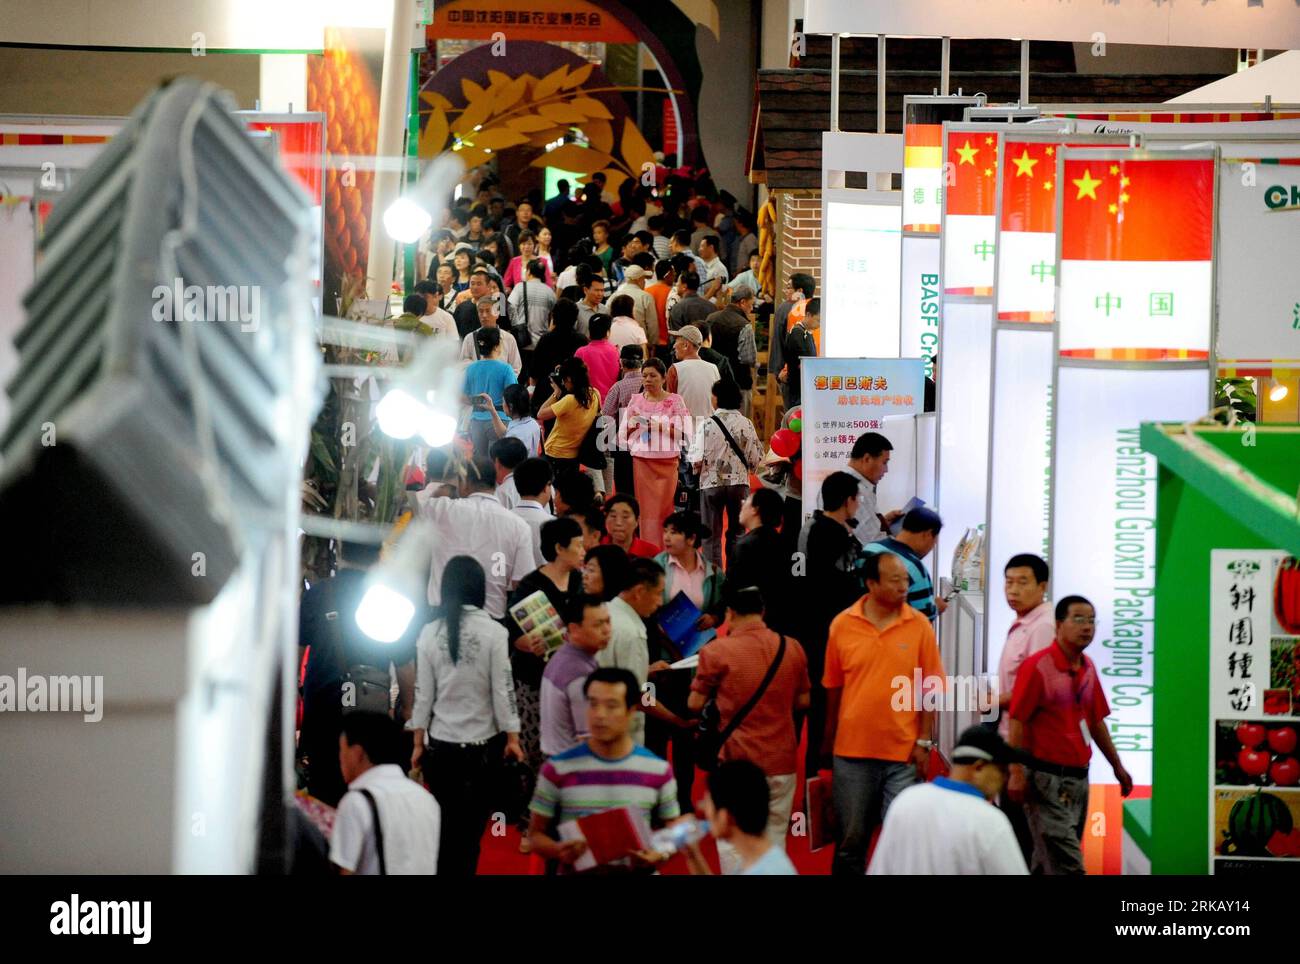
[[478, 525], [629, 647], [691, 377], [949, 825], [533, 480], [487, 317], [442, 323], [507, 453], [868, 463], [716, 273], [644, 310], [405, 839]]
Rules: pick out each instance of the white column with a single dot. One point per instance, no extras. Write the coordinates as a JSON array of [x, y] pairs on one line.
[[389, 152]]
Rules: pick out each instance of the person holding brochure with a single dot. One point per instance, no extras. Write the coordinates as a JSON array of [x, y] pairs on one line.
[[654, 431], [605, 771], [560, 581], [737, 807], [693, 578]]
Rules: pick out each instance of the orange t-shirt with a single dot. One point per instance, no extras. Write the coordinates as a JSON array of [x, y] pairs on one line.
[[866, 663], [659, 291]]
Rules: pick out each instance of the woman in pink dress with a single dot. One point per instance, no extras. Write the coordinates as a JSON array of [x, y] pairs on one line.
[[656, 425], [527, 251]]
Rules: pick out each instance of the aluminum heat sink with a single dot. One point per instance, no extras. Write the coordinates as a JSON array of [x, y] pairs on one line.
[[148, 411]]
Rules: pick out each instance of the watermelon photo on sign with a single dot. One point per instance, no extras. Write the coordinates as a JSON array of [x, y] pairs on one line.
[[1256, 824]]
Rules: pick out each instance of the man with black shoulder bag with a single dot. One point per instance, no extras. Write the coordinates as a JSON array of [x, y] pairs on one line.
[[748, 688]]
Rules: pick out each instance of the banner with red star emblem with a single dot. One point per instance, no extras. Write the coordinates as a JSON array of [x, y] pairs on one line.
[[1137, 239], [1026, 237], [969, 210]]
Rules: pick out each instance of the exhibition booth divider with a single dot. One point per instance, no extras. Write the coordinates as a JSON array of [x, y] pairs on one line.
[[1226, 794]]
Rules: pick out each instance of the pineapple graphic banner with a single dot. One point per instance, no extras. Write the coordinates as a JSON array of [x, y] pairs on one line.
[[969, 210], [1026, 240], [1137, 239]]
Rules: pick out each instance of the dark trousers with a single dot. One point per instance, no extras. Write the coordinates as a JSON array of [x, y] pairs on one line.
[[714, 503], [1015, 812], [623, 473], [816, 718], [460, 779], [658, 735]]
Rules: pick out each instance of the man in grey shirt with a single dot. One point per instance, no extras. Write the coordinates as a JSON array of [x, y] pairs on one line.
[[531, 301], [868, 462]]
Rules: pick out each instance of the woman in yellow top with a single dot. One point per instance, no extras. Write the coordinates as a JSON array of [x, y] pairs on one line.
[[573, 405]]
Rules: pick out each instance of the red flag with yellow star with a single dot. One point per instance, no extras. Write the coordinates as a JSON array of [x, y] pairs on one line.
[[1137, 240], [1028, 186], [974, 159], [1138, 210]]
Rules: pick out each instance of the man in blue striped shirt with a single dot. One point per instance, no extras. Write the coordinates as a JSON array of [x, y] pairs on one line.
[[915, 541]]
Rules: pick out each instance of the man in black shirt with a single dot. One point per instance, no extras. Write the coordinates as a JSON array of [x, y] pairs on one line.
[[799, 344], [466, 314], [831, 555], [327, 629], [762, 558]]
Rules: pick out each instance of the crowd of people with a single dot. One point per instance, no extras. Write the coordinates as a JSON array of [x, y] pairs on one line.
[[606, 483]]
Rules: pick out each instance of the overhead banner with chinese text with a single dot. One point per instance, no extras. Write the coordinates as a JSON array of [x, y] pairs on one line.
[[1136, 271], [844, 397]]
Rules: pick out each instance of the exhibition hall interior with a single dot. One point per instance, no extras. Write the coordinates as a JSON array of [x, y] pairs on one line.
[[649, 438]]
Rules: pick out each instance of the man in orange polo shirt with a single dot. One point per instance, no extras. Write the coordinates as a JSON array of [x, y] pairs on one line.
[[1058, 710], [875, 724]]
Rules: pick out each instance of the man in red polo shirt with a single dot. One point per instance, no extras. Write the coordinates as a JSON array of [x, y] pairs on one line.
[[1057, 710]]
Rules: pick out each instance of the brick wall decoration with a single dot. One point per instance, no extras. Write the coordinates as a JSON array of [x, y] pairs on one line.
[[799, 235]]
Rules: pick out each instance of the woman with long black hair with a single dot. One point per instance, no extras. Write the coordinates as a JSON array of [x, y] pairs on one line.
[[573, 406], [465, 721]]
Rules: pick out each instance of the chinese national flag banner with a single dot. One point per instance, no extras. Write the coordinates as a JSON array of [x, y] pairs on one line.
[[1027, 229], [1137, 237], [974, 159], [1028, 188], [969, 212]]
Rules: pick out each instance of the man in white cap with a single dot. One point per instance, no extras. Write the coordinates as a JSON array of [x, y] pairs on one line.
[[644, 311], [692, 377], [949, 825]]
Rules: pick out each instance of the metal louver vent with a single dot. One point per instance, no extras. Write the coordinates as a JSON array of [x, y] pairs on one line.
[[167, 414]]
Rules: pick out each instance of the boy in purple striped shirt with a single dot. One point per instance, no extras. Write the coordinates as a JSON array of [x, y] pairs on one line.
[[608, 770]]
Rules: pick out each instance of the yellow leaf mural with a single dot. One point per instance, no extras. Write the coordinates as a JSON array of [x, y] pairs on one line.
[[562, 113], [531, 124], [550, 84], [571, 157], [578, 77], [508, 95], [471, 90], [636, 152], [601, 134], [498, 138], [434, 136], [592, 108]]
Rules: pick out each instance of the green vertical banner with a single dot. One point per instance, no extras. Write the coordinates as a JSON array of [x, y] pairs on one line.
[[413, 161]]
